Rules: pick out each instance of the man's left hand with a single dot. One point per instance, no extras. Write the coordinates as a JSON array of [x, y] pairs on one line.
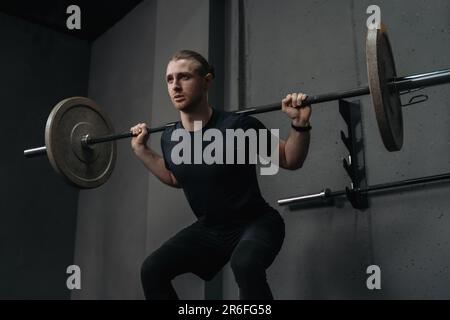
[[293, 106]]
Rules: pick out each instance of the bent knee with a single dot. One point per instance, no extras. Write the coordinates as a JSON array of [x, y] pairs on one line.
[[154, 267]]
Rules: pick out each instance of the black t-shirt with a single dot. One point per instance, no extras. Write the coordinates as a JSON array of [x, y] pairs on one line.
[[218, 193]]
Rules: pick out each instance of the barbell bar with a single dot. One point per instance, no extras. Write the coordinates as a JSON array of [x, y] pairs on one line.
[[328, 194], [400, 84], [80, 140]]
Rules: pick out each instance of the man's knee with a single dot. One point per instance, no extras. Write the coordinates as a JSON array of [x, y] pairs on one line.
[[154, 267], [156, 276]]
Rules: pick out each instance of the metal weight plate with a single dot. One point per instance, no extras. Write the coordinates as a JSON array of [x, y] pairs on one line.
[[84, 167], [385, 98]]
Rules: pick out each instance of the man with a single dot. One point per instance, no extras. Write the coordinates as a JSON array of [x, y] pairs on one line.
[[235, 224]]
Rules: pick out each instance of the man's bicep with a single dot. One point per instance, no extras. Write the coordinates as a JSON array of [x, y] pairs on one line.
[[165, 166], [282, 154]]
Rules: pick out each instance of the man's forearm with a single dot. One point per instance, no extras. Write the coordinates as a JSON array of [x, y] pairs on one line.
[[296, 148], [155, 163]]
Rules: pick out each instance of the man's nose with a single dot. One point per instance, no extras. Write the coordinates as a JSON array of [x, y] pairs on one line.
[[176, 85]]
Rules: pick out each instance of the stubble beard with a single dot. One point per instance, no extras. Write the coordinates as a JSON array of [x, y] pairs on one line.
[[190, 105]]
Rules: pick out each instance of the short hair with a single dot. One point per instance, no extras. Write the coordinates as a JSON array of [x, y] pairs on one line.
[[204, 68]]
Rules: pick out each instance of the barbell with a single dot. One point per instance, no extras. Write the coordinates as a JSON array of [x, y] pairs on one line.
[[80, 143]]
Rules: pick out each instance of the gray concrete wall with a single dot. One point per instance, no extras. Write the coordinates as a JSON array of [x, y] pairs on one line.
[[39, 67], [122, 222], [317, 47]]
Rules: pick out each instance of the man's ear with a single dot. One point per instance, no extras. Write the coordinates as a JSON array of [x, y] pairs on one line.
[[208, 80]]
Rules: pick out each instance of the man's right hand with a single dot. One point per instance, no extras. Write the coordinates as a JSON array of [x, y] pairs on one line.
[[139, 142]]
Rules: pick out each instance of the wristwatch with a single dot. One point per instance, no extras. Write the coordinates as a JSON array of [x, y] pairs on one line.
[[304, 128]]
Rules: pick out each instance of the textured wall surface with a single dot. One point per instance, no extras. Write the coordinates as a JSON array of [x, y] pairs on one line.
[[317, 47]]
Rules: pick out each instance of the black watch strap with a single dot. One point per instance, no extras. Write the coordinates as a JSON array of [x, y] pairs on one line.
[[302, 129]]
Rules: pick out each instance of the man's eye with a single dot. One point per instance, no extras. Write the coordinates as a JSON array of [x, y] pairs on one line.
[[186, 77]]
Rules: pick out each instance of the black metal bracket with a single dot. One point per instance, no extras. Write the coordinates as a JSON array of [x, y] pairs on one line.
[[354, 165]]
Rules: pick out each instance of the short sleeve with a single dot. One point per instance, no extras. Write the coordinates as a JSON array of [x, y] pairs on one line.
[[249, 122]]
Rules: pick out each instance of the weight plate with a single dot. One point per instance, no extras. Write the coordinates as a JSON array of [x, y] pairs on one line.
[[84, 167], [385, 98]]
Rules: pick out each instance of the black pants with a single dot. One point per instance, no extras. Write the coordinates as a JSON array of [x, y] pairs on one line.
[[204, 250]]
